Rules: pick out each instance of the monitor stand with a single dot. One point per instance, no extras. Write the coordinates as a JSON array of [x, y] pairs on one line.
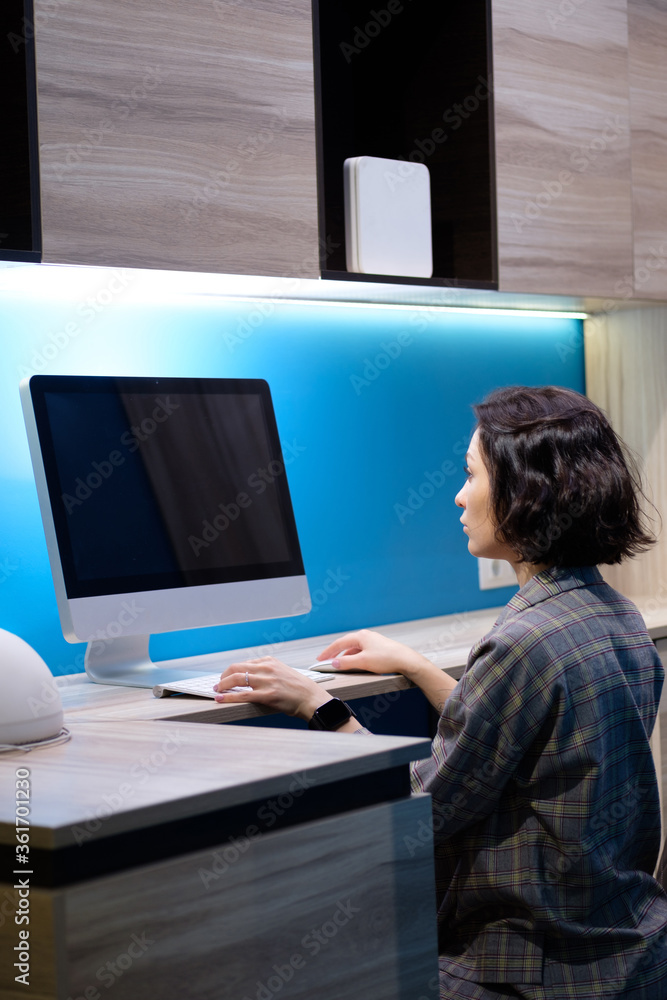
[[126, 661]]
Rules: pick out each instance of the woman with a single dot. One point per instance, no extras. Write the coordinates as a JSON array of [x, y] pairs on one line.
[[545, 803]]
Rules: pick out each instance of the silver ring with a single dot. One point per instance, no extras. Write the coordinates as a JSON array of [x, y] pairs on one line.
[[247, 680]]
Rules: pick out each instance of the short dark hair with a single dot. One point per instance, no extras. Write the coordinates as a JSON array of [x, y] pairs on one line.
[[563, 490]]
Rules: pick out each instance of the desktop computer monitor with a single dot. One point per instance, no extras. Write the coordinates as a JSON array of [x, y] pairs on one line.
[[165, 506]]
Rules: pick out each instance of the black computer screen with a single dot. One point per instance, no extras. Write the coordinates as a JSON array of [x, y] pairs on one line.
[[159, 483]]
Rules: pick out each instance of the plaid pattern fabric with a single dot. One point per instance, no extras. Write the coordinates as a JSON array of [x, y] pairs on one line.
[[545, 803]]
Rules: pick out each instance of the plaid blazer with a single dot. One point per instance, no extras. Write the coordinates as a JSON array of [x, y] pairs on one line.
[[546, 814]]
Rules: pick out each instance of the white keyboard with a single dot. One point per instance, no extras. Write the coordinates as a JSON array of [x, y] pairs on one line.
[[203, 686]]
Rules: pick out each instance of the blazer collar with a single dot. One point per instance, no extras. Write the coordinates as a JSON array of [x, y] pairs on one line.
[[549, 583]]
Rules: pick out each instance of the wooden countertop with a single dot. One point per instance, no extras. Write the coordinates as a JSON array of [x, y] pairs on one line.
[[109, 759], [446, 640], [114, 777]]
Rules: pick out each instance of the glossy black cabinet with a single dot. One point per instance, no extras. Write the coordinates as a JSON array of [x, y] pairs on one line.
[[411, 82], [19, 185]]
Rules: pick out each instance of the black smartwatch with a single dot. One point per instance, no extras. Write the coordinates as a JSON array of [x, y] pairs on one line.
[[330, 716]]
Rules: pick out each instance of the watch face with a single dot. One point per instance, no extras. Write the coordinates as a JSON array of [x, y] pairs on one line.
[[331, 715]]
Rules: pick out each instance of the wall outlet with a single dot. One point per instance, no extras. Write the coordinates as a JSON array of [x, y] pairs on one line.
[[495, 573]]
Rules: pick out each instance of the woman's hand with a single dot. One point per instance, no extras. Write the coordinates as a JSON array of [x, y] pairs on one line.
[[369, 650], [272, 684]]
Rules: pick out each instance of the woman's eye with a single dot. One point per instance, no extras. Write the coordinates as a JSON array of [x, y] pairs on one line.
[[467, 471]]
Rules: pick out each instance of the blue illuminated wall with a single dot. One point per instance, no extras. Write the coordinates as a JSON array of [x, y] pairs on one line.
[[373, 407]]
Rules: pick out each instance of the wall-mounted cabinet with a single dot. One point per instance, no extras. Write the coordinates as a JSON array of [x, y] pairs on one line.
[[178, 135], [647, 23], [186, 136], [411, 83], [543, 155], [562, 145]]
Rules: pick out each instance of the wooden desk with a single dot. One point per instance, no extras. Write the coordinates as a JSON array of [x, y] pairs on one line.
[[446, 640], [173, 860]]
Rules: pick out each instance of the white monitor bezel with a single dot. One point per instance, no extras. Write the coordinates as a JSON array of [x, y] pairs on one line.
[[109, 617]]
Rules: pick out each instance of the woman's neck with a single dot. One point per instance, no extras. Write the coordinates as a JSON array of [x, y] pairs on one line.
[[525, 571]]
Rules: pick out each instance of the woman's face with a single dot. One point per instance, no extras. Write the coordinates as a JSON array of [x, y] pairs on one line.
[[477, 518]]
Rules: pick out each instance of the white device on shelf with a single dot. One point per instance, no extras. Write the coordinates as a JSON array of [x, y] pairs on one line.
[[165, 506], [387, 217], [30, 707]]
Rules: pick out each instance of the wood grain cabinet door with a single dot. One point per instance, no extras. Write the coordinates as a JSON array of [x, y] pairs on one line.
[[647, 29], [178, 135], [562, 146]]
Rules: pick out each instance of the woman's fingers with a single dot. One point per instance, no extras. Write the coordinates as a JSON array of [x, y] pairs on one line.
[[348, 644], [270, 682], [370, 650], [239, 679]]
